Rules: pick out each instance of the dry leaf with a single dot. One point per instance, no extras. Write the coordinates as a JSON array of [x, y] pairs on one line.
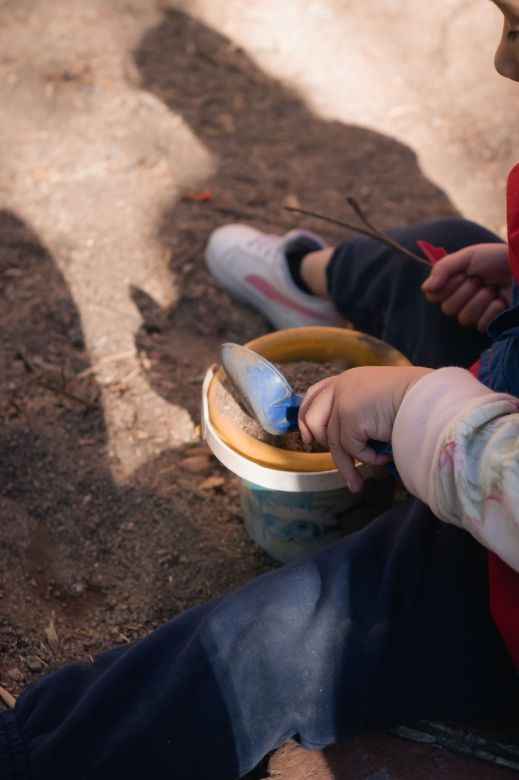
[[200, 197]]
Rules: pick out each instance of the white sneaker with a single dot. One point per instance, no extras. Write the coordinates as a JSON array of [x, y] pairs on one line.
[[252, 266]]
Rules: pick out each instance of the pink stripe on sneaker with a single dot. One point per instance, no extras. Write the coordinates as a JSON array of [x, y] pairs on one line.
[[270, 292]]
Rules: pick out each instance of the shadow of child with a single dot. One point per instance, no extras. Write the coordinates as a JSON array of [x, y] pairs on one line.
[[270, 149]]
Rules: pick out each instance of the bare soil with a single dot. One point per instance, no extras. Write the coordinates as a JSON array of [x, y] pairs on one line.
[[85, 563], [88, 560]]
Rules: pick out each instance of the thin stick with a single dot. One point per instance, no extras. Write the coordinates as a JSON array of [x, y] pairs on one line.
[[383, 236], [371, 233], [333, 221], [115, 357], [65, 393]]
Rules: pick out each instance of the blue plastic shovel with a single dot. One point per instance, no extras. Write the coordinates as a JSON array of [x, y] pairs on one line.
[[265, 390], [268, 394]]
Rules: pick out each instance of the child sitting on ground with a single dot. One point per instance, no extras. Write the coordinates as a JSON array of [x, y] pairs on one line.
[[392, 623]]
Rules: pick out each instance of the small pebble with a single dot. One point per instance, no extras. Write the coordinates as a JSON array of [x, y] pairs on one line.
[[34, 664]]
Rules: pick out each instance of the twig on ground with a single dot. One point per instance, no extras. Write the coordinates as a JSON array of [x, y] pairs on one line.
[[120, 634], [125, 380], [27, 362], [189, 256], [42, 379], [114, 358], [61, 391]]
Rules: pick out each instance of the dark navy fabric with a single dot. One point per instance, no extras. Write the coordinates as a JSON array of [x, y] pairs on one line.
[[378, 290], [387, 626], [499, 364]]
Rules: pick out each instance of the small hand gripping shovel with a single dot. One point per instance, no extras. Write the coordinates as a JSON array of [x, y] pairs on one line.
[[268, 394]]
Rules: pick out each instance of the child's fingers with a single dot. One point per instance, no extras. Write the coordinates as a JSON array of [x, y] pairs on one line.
[[315, 411], [438, 277], [310, 395], [455, 264], [444, 290], [476, 306], [452, 305], [343, 460], [495, 307]]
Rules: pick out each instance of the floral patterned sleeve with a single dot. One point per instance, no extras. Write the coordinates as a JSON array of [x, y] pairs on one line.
[[477, 477], [456, 445]]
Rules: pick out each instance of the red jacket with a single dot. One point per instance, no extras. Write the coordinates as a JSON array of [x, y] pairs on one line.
[[498, 368], [504, 581]]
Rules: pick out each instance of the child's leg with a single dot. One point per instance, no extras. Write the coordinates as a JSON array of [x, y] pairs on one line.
[[389, 625], [379, 291]]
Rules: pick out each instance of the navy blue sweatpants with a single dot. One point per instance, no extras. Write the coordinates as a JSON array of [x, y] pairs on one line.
[[388, 625], [379, 291]]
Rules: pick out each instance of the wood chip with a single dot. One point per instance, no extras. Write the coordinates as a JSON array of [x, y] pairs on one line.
[[211, 483], [200, 449], [196, 463], [34, 664], [120, 635], [291, 200], [7, 697], [52, 636]]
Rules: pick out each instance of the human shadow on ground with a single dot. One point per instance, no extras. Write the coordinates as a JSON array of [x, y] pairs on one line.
[[105, 562], [269, 148]]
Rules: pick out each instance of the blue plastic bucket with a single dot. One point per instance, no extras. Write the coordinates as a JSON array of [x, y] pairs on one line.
[[288, 525]]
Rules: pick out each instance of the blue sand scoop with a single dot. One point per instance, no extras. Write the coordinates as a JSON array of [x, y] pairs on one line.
[[269, 395], [265, 390]]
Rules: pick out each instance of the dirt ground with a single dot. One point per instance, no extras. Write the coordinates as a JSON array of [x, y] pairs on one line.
[[113, 514]]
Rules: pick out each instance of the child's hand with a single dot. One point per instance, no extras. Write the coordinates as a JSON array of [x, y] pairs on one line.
[[473, 284], [342, 412]]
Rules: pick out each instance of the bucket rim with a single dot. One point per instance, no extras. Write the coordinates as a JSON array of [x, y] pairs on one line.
[[318, 343], [267, 477]]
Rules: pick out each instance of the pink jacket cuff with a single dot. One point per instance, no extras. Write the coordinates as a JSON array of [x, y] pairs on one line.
[[428, 411]]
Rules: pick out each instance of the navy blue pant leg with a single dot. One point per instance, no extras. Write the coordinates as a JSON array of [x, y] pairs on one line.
[[388, 625], [378, 289]]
